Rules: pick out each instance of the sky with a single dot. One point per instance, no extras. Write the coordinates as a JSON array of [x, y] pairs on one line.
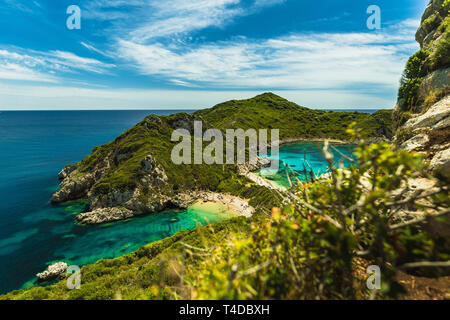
[[192, 54]]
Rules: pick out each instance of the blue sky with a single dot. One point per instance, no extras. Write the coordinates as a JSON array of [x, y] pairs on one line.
[[180, 54]]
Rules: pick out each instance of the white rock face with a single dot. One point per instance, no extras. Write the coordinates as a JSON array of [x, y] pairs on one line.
[[436, 118], [53, 271], [436, 80], [437, 114], [104, 215], [416, 142], [441, 161]]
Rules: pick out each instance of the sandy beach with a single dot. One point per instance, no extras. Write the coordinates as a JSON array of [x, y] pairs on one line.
[[226, 204]]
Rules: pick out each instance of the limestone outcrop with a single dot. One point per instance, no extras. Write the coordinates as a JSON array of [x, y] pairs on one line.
[[53, 271]]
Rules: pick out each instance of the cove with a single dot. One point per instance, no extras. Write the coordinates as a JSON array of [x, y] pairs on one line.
[[301, 155]]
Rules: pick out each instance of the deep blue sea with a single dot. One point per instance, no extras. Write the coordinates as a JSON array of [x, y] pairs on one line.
[[34, 147]]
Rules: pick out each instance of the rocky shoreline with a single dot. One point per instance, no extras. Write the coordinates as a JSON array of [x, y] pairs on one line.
[[181, 202]]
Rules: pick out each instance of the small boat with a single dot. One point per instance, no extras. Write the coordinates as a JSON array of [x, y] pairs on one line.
[[173, 220]]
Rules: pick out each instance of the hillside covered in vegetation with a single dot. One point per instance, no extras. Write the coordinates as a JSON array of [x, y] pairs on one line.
[[134, 174]]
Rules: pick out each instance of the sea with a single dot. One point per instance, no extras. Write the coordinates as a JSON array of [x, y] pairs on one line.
[[34, 147]]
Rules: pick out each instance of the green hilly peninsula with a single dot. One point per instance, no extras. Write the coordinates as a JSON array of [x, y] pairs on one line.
[[134, 174]]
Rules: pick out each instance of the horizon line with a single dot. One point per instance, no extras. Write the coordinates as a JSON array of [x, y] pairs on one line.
[[175, 109]]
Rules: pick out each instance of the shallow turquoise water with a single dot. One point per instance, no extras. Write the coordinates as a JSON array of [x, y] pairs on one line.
[[306, 155]]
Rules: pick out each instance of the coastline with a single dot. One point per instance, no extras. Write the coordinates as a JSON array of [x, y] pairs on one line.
[[183, 201]]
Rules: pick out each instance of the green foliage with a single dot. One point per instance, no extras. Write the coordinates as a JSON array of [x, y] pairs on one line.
[[415, 65], [310, 251], [431, 22], [407, 93], [271, 111], [411, 80], [440, 58]]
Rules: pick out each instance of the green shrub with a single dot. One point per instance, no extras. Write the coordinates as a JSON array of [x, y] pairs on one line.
[[441, 56], [411, 80], [310, 249], [407, 94]]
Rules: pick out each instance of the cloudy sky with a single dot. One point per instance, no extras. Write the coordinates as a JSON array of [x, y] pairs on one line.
[[189, 54]]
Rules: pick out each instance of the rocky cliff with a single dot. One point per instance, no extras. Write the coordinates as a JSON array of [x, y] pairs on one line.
[[422, 114]]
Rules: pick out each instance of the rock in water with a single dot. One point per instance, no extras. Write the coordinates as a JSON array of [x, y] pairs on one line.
[[53, 271]]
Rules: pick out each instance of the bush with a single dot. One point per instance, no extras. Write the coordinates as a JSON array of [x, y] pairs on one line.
[[408, 92], [412, 79], [441, 57], [311, 248]]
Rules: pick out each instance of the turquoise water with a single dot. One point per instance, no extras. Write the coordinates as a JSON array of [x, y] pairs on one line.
[[34, 147], [306, 155]]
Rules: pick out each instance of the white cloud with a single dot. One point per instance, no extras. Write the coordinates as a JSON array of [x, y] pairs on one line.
[[172, 17], [314, 69], [72, 61], [30, 65], [266, 3], [155, 19], [11, 71], [94, 49], [299, 61]]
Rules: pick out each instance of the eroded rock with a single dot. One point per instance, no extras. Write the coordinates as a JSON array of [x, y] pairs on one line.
[[73, 187], [416, 142], [104, 215], [436, 114], [441, 162], [64, 173], [53, 271]]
